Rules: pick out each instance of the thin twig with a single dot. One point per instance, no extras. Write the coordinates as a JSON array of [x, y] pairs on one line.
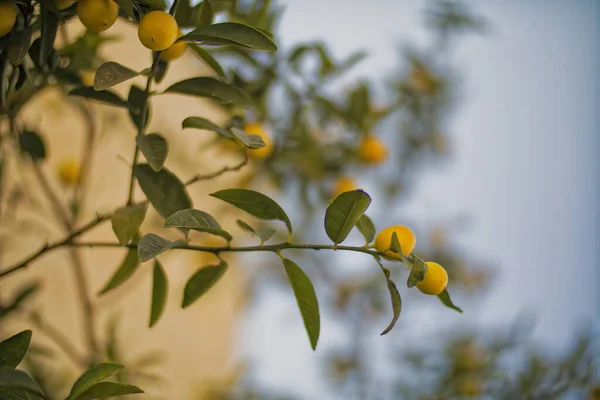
[[220, 172]]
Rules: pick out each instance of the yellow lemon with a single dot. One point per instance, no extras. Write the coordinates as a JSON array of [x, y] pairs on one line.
[[158, 30], [68, 171], [435, 281], [97, 15], [371, 150], [343, 184], [254, 128], [406, 238], [175, 51], [64, 4], [8, 18]]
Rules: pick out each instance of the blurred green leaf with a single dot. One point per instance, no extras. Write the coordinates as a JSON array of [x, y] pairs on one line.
[[205, 13], [104, 96], [152, 245], [155, 148], [159, 5], [96, 374], [208, 59], [204, 279], [110, 74], [306, 298], [127, 7], [417, 271], [231, 33], [127, 220], [135, 102], [204, 124], [366, 228], [48, 32], [160, 286], [13, 349], [127, 268], [19, 45], [105, 390], [13, 381], [32, 144], [213, 88], [445, 299], [263, 234], [252, 142], [197, 220], [254, 203], [345, 212]]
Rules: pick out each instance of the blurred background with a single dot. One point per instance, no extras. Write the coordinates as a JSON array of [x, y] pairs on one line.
[[488, 112]]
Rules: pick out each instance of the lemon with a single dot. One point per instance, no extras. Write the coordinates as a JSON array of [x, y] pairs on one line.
[[97, 15], [371, 150], [435, 280], [406, 238], [175, 51], [254, 128], [158, 30], [343, 184], [68, 171], [8, 18]]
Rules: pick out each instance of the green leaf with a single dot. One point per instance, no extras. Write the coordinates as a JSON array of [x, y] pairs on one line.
[[127, 220], [213, 88], [159, 5], [163, 189], [96, 374], [18, 46], [445, 299], [183, 14], [231, 33], [152, 245], [396, 248], [208, 59], [135, 102], [306, 298], [252, 142], [366, 228], [48, 33], [344, 213], [254, 203], [104, 96], [155, 148], [104, 390], [110, 74], [359, 104], [32, 144], [204, 279], [15, 379], [204, 124], [159, 293], [395, 297], [197, 220], [263, 234], [13, 349], [417, 271], [206, 13], [127, 268], [127, 7]]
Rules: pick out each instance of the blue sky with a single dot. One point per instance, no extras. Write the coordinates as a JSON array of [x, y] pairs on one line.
[[525, 165]]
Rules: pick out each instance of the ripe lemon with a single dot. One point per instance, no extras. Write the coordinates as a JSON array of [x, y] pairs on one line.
[[435, 280], [254, 128], [8, 18], [64, 4], [406, 238], [371, 150], [68, 171], [158, 30], [97, 15], [343, 184], [175, 51]]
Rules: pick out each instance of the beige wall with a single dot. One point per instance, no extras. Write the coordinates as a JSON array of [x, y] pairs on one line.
[[198, 340]]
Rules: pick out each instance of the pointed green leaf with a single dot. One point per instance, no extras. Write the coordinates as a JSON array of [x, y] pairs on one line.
[[208, 59], [160, 287], [18, 47], [127, 220], [306, 298], [127, 7], [48, 33], [231, 33], [136, 100], [204, 124], [152, 245], [206, 15], [204, 279], [254, 203], [110, 74], [163, 189], [396, 300], [127, 268], [213, 88], [159, 5], [197, 220], [96, 374], [155, 148], [103, 96], [445, 299], [366, 228], [417, 271], [253, 142], [32, 144], [105, 390], [13, 349], [344, 213], [396, 248], [263, 234], [13, 379]]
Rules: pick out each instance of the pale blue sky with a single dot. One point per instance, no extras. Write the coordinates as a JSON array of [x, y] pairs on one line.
[[525, 168]]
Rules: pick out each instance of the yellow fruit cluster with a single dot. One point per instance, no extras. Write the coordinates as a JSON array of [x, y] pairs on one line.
[[436, 277]]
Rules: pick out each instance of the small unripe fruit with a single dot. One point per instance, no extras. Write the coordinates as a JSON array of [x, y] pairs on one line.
[[97, 15], [257, 129], [435, 280], [175, 51], [8, 18], [158, 30], [68, 171], [406, 238], [371, 150]]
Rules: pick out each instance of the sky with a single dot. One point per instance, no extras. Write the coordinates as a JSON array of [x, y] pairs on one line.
[[524, 167]]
